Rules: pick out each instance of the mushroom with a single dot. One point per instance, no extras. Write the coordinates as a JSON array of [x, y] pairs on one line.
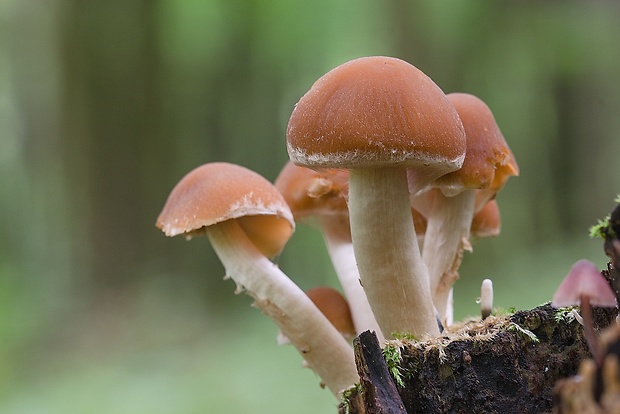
[[488, 164], [335, 308], [378, 116], [247, 220], [486, 298], [585, 286], [486, 223], [322, 195]]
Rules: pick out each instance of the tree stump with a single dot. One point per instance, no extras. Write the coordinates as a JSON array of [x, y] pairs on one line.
[[504, 364]]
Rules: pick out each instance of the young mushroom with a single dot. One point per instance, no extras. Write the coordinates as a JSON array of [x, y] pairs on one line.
[[585, 286], [486, 298], [247, 221], [378, 116], [488, 164], [321, 195], [486, 223]]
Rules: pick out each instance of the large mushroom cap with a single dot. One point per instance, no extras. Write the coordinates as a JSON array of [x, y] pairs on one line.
[[489, 161], [372, 111], [219, 191]]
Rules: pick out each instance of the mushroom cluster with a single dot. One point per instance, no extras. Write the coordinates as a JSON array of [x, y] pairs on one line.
[[405, 145], [398, 176]]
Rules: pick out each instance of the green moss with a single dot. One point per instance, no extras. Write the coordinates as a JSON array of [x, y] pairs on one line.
[[565, 315], [347, 395], [599, 230], [392, 357], [404, 336], [526, 334], [499, 311], [602, 229]]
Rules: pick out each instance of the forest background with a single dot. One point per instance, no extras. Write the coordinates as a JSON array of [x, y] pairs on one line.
[[105, 105]]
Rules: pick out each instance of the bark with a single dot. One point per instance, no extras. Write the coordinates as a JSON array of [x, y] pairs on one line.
[[504, 364], [379, 391]]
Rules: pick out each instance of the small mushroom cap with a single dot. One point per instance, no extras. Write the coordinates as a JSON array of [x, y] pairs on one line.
[[489, 162], [487, 221], [375, 111], [220, 191], [324, 192], [584, 279], [335, 308], [309, 192]]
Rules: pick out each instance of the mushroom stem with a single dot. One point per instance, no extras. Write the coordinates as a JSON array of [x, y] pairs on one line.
[[588, 330], [486, 298], [386, 249], [337, 235], [447, 236], [316, 339]]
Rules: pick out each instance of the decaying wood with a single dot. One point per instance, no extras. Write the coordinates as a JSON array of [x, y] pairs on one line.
[[533, 361], [595, 390], [379, 393], [505, 364]]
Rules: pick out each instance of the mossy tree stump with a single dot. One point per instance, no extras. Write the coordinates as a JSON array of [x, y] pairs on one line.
[[505, 364]]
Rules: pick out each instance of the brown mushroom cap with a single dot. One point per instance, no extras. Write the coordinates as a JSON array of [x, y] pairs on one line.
[[489, 161], [487, 221], [219, 191], [372, 111], [335, 308], [309, 192]]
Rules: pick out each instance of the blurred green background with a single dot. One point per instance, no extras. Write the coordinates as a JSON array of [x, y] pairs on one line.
[[105, 105]]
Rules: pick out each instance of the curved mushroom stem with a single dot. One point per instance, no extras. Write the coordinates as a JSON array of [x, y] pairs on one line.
[[337, 235], [386, 249], [320, 344], [588, 330], [447, 236]]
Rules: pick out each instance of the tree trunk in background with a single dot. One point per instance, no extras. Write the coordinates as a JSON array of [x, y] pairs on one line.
[[110, 137], [579, 136]]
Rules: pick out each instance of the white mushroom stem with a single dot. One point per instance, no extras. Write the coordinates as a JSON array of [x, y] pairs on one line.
[[449, 319], [447, 236], [320, 344], [337, 235], [486, 298], [386, 248]]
